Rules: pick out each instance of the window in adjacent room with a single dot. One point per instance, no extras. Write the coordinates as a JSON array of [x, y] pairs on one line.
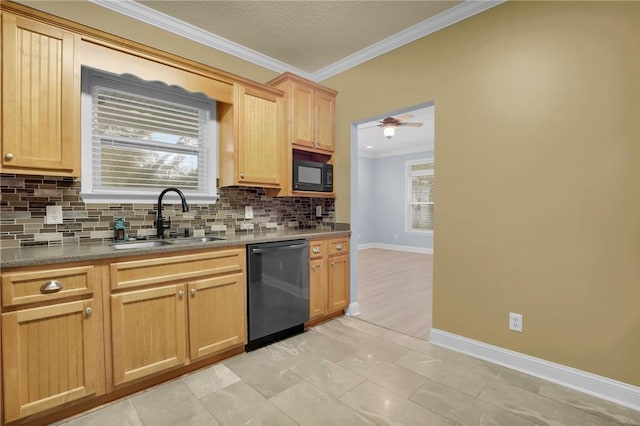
[[140, 137], [420, 200]]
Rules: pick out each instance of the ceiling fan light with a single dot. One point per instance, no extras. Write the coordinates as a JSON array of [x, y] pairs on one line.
[[389, 131]]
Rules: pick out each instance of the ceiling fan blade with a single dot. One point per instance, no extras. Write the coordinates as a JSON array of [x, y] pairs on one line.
[[404, 117], [369, 127], [411, 124]]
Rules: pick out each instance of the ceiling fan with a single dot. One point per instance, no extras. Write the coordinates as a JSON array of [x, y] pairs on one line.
[[390, 124]]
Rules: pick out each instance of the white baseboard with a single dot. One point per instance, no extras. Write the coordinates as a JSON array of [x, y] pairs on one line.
[[353, 310], [601, 387], [395, 247]]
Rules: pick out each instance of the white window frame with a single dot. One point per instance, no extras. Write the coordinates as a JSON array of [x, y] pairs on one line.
[[408, 192], [91, 194]]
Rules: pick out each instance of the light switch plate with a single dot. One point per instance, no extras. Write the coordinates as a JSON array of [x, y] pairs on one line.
[[54, 215]]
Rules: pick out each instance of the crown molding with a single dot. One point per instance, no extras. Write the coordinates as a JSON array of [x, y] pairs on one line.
[[429, 26], [150, 16], [158, 19]]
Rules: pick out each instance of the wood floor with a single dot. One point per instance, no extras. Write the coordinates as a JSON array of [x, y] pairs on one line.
[[395, 290]]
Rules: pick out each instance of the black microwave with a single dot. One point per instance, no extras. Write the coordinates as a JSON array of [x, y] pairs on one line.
[[312, 176]]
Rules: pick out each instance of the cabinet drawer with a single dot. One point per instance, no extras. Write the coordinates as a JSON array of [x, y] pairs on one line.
[[19, 288], [317, 249], [159, 270], [338, 246]]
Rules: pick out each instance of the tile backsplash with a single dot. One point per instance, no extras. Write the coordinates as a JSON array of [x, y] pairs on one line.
[[24, 198]]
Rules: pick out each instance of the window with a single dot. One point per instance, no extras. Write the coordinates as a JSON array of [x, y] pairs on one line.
[[140, 137], [420, 201]]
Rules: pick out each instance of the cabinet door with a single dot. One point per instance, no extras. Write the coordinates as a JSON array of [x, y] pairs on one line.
[[317, 288], [217, 314], [325, 121], [259, 148], [49, 357], [148, 331], [338, 283], [40, 99], [303, 115]]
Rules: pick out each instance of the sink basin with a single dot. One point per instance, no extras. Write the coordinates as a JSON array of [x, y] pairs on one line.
[[197, 239], [140, 245]]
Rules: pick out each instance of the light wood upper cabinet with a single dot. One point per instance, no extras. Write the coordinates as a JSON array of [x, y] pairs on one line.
[[250, 134], [40, 99], [325, 112], [310, 112]]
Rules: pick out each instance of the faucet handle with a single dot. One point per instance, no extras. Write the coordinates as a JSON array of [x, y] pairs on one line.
[[166, 223]]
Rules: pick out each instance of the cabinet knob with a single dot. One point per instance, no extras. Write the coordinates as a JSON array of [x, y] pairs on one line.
[[181, 294], [88, 311], [333, 263], [315, 250], [314, 267], [8, 156], [51, 286], [193, 291], [241, 175], [338, 246]]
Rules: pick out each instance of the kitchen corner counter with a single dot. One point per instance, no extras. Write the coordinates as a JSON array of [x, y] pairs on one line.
[[36, 256]]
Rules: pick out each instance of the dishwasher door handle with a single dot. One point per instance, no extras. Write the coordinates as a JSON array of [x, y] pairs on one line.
[[268, 249]]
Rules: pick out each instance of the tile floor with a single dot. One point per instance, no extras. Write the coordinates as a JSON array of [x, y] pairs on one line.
[[350, 372]]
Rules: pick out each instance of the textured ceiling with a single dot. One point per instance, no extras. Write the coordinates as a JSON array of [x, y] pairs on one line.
[[308, 35]]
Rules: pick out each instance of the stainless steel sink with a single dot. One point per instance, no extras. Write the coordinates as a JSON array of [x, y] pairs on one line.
[[197, 240], [140, 245]]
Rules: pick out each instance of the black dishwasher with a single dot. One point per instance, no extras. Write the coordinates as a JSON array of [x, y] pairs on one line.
[[277, 290]]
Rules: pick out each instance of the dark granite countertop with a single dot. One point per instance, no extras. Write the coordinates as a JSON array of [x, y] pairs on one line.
[[34, 256]]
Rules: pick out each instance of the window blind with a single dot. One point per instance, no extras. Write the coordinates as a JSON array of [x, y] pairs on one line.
[[421, 200], [141, 142]]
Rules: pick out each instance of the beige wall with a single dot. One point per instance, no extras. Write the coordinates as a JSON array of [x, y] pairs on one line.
[[84, 12], [537, 182]]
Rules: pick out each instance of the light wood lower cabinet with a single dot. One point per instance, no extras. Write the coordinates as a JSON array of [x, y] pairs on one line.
[[52, 339], [53, 357], [186, 315], [148, 332], [217, 314], [338, 283], [328, 277]]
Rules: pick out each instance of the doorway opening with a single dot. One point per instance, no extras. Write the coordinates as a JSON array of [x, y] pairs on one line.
[[392, 206]]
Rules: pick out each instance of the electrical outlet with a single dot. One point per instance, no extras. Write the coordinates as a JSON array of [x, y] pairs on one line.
[[515, 322], [248, 212], [318, 211], [54, 215]]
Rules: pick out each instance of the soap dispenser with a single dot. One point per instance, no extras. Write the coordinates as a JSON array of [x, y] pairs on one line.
[[119, 230]]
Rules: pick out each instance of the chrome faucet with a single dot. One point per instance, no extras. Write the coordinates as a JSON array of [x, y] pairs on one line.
[[159, 221]]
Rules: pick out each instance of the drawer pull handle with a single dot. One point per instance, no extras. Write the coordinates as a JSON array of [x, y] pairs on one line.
[[88, 311], [338, 246], [193, 291], [52, 286], [316, 250]]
